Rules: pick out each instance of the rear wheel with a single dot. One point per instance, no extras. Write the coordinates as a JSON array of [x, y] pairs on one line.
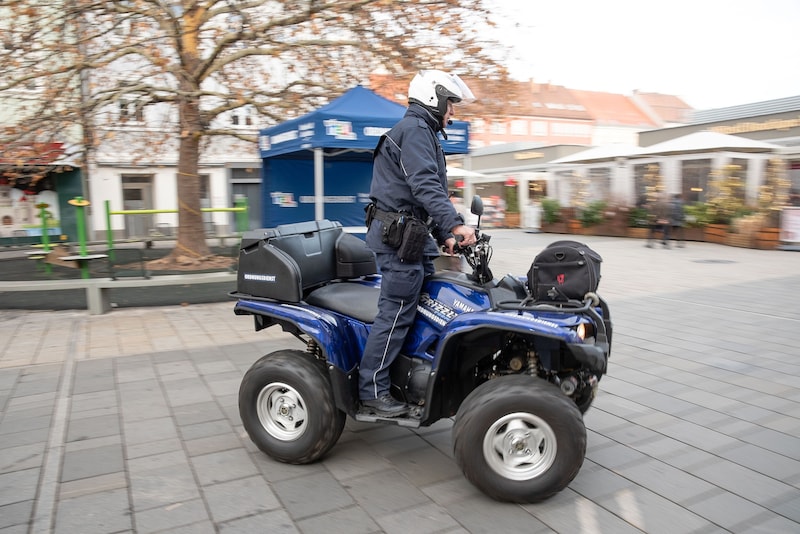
[[287, 407], [519, 439]]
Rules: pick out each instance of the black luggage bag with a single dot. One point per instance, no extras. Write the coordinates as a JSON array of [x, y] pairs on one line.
[[564, 270]]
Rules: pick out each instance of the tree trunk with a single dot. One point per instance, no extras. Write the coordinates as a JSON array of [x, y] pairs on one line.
[[191, 233]]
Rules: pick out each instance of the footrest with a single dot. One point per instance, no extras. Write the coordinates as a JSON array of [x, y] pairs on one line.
[[411, 420]]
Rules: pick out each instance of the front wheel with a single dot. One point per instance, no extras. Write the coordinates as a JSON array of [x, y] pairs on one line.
[[519, 439], [287, 407]]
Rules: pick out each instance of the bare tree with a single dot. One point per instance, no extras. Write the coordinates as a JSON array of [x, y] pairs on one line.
[[76, 68]]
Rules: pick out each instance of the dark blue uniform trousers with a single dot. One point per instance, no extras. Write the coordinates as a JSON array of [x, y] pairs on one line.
[[397, 307]]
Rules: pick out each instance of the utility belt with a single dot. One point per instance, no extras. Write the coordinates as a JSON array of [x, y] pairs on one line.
[[403, 231]]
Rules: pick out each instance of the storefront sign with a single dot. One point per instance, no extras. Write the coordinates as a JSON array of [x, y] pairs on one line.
[[745, 127]]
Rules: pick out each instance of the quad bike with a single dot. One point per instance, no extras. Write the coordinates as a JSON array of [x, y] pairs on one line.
[[517, 374]]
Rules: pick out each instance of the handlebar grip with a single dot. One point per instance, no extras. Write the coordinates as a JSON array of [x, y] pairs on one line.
[[456, 247]]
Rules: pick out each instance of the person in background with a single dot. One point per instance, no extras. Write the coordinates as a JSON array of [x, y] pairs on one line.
[[659, 223], [677, 218], [409, 180]]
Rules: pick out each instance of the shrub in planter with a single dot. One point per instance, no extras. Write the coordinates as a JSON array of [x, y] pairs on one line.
[[638, 218], [726, 194], [551, 210], [592, 214], [697, 215]]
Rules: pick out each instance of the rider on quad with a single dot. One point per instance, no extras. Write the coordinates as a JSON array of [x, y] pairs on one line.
[[409, 199]]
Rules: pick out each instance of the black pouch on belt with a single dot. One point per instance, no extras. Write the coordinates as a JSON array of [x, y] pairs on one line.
[[393, 226], [415, 236], [369, 214]]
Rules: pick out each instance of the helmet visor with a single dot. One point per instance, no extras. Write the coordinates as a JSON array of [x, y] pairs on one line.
[[466, 94]]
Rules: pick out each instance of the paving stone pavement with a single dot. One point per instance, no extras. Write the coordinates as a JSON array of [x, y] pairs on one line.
[[128, 422]]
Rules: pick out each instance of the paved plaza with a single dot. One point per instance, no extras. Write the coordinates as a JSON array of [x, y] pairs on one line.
[[128, 422]]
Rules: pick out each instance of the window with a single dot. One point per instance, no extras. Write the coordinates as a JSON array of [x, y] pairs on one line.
[[645, 181], [600, 183], [694, 174], [478, 126], [539, 128], [498, 127], [519, 127], [570, 129], [741, 173], [131, 111]]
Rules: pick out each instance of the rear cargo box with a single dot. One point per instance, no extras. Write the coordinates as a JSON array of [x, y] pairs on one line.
[[285, 262]]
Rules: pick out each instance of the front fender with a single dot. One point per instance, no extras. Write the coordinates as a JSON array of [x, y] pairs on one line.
[[339, 338], [508, 321], [445, 390]]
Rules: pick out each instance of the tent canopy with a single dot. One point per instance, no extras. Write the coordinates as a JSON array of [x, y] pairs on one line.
[[320, 165], [355, 120]]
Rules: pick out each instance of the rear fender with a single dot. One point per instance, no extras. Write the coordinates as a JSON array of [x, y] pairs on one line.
[[340, 339]]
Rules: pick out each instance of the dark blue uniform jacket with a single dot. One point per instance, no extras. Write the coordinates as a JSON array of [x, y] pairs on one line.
[[410, 175]]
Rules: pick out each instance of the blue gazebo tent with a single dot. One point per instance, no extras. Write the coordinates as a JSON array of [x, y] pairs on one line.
[[320, 165]]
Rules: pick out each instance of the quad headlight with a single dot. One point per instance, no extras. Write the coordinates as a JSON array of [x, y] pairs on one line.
[[585, 331]]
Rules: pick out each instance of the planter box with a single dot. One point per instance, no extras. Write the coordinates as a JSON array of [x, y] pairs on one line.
[[768, 239], [739, 240], [554, 228], [574, 227], [638, 233], [610, 230], [715, 233], [512, 220], [692, 233]]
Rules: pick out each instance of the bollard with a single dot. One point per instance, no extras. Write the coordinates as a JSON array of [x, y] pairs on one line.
[[109, 231], [80, 203], [45, 234], [241, 216]]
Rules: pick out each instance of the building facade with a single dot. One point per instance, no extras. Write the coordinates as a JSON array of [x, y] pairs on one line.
[[682, 158]]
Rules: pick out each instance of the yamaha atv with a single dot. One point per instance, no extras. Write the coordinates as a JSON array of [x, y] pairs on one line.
[[516, 373]]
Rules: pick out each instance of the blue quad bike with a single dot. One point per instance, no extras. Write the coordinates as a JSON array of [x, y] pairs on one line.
[[516, 374]]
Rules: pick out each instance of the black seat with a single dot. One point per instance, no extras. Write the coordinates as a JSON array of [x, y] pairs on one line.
[[348, 298]]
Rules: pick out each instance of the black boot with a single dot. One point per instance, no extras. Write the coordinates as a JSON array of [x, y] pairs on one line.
[[386, 406]]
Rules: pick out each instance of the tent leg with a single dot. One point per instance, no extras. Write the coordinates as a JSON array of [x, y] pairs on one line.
[[319, 185]]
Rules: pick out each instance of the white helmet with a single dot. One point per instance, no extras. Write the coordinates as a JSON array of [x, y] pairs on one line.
[[433, 88]]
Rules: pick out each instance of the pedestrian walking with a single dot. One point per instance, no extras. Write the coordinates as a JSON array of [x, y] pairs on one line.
[[659, 222], [677, 219]]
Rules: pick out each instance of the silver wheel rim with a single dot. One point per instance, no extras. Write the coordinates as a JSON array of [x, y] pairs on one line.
[[282, 411], [520, 446]]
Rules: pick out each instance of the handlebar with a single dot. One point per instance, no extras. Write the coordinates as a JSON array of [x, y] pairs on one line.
[[480, 239]]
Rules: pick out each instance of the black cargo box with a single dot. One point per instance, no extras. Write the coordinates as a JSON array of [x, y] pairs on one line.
[[286, 262]]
